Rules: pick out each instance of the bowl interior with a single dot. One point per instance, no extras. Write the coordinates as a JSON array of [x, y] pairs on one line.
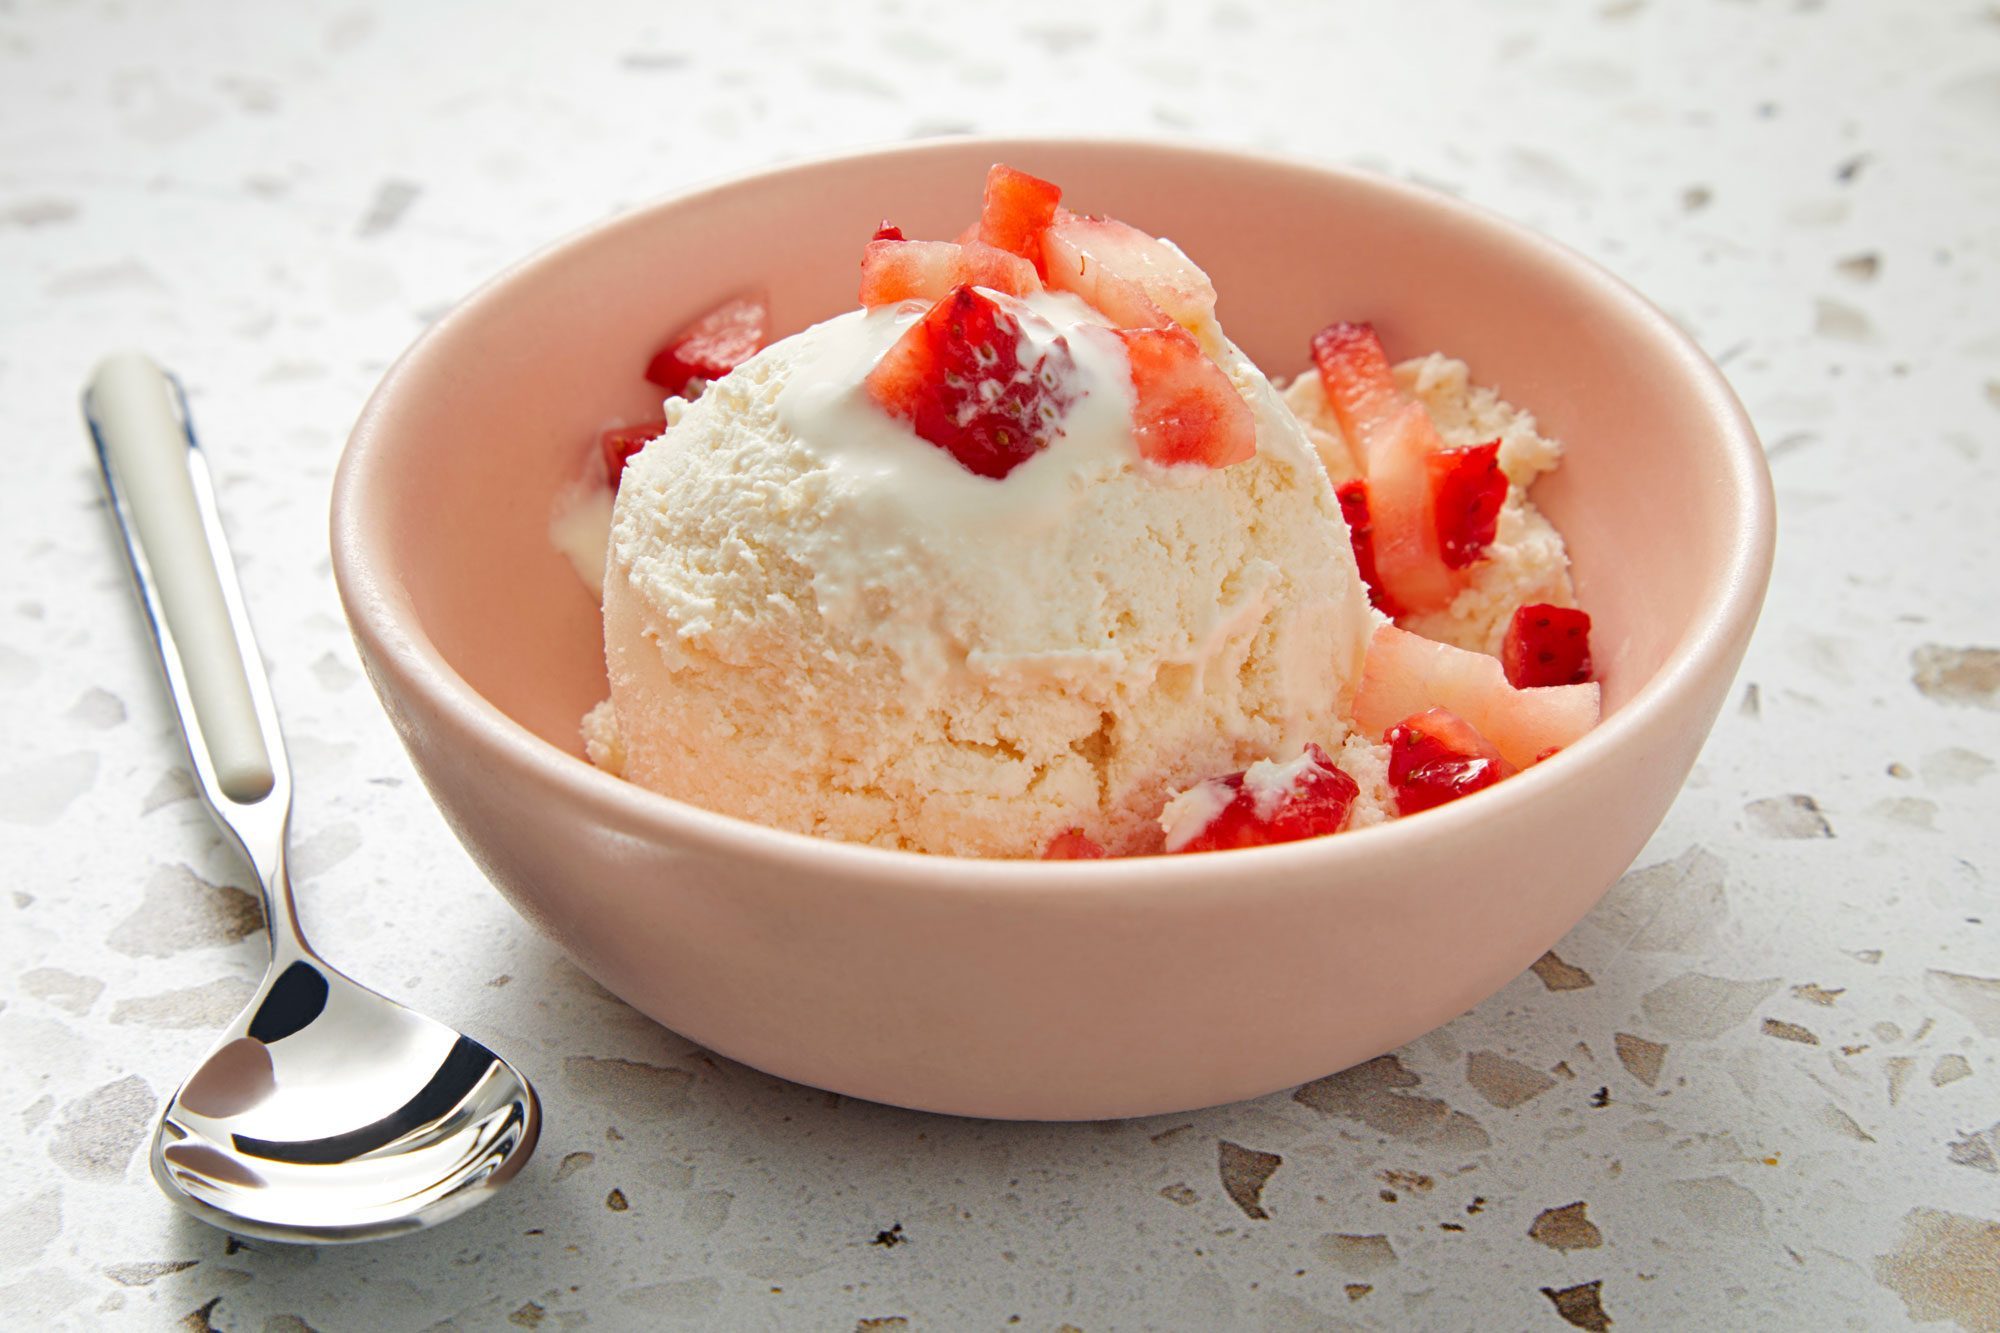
[[480, 427]]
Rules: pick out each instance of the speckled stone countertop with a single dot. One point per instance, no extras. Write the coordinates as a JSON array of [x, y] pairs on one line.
[[1756, 1088]]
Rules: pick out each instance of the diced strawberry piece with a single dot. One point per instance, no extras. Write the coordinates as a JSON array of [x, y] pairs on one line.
[[1135, 280], [1353, 497], [984, 265], [713, 345], [968, 379], [888, 231], [1266, 803], [1072, 845], [1016, 210], [893, 271], [1437, 756], [620, 443], [1393, 440], [1467, 490], [1405, 673], [1185, 410], [1546, 645]]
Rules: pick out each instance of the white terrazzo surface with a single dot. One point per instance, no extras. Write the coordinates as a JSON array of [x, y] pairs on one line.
[[1756, 1089]]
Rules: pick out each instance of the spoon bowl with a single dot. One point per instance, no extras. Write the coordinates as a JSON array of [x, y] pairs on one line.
[[326, 1112]]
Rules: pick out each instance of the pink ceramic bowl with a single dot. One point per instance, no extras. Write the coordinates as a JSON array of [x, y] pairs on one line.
[[1024, 989]]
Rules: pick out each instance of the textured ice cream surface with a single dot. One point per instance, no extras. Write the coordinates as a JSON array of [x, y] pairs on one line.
[[816, 620], [1527, 562]]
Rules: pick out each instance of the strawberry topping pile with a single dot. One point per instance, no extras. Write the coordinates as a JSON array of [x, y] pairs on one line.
[[989, 418], [1266, 803]]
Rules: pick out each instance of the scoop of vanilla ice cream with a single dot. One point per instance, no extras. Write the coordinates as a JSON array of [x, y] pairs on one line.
[[817, 620]]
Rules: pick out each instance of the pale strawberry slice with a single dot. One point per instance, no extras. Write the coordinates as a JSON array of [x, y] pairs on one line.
[[1546, 645], [894, 270], [1394, 439], [1467, 490], [1353, 497], [1135, 280], [1016, 210], [1437, 756], [985, 265], [1265, 803], [1185, 410], [620, 443], [1404, 674], [897, 270], [968, 379], [1072, 845], [713, 345]]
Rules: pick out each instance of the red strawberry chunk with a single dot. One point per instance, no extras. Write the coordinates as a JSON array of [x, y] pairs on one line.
[[1072, 845], [1185, 410], [1135, 280], [1394, 439], [1437, 756], [1546, 645], [968, 379], [894, 270], [713, 345], [1467, 490], [888, 231], [1353, 497], [1265, 803], [1015, 212], [620, 443]]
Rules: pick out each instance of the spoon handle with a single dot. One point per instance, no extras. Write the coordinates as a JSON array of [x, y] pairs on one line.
[[160, 490]]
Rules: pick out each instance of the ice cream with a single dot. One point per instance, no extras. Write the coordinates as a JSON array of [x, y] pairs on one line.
[[815, 619], [1025, 557]]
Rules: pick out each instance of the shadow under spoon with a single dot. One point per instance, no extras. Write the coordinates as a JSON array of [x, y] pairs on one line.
[[326, 1112]]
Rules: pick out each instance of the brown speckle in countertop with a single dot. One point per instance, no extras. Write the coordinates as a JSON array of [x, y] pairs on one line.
[[1793, 816], [1979, 1150], [1503, 1082], [1860, 267], [1968, 676], [1566, 1228], [891, 1238], [573, 1163], [1178, 1192], [616, 1201], [1581, 1305], [1816, 994], [1641, 1058], [1244, 1174], [1784, 1031], [1978, 998], [1558, 975], [1356, 1290], [1370, 1093], [1357, 1256], [1950, 1068], [1947, 1266], [197, 1320], [145, 1274]]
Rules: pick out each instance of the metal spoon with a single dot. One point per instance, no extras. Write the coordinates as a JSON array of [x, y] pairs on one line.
[[326, 1112]]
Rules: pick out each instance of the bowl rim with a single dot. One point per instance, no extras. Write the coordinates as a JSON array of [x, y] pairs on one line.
[[379, 612]]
